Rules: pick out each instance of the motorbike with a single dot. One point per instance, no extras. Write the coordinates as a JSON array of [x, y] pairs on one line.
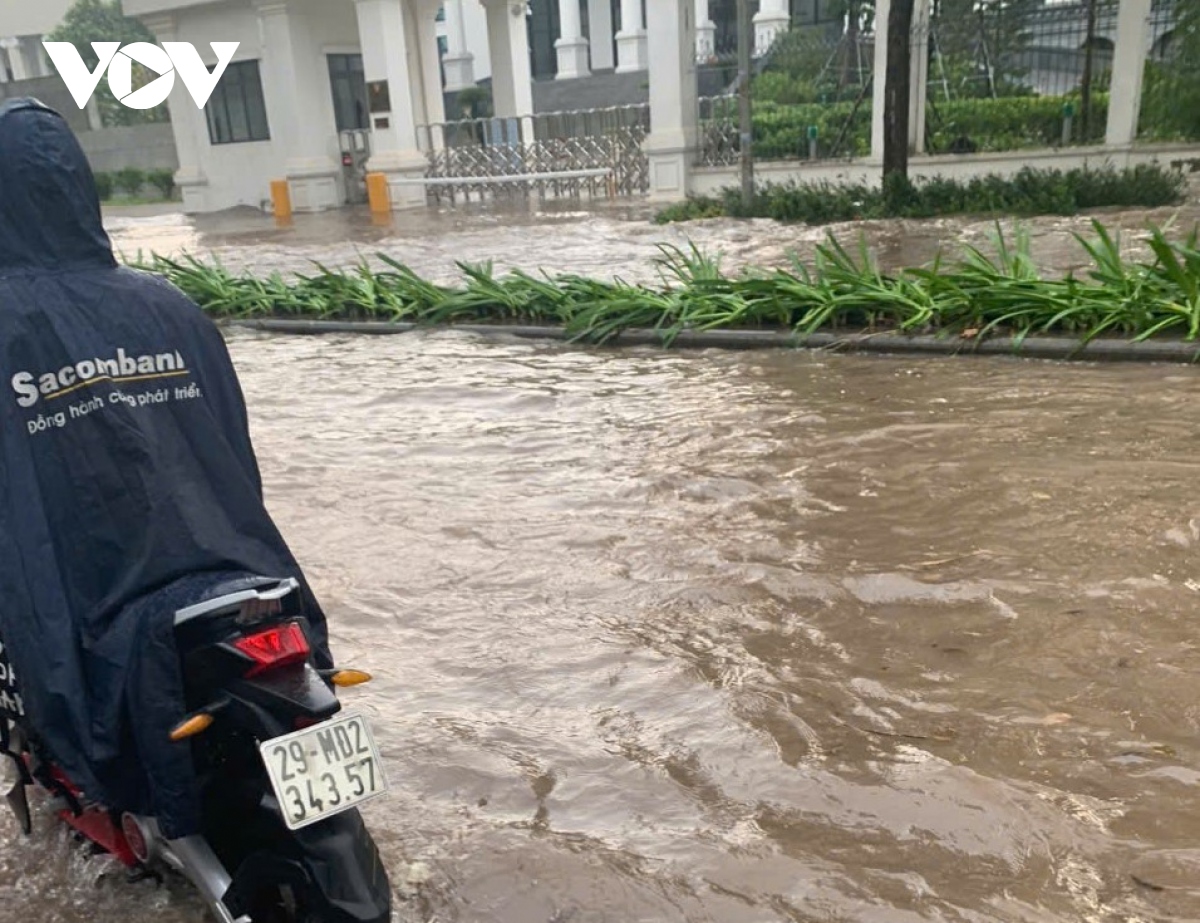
[[282, 769]]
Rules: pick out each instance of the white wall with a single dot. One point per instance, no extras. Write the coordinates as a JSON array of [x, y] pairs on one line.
[[241, 173], [710, 180]]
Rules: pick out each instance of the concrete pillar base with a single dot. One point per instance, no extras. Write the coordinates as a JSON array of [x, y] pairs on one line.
[[313, 185], [768, 26], [572, 58], [670, 162], [460, 71], [632, 54], [193, 189]]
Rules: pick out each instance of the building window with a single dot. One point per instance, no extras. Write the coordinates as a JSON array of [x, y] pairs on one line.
[[349, 91], [236, 111]]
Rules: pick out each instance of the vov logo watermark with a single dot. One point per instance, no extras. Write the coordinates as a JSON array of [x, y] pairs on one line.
[[172, 58]]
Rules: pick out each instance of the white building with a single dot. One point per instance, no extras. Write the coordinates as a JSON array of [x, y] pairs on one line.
[[23, 24], [305, 70]]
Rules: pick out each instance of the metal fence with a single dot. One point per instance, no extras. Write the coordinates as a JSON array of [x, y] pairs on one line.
[[594, 152], [1171, 86], [811, 92], [1002, 75], [1012, 74]]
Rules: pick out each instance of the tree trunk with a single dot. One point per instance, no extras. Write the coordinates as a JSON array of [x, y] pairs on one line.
[[897, 91]]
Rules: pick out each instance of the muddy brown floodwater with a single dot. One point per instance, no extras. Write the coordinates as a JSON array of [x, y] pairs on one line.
[[738, 638]]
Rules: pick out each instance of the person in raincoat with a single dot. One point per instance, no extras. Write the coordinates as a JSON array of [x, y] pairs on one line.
[[126, 469]]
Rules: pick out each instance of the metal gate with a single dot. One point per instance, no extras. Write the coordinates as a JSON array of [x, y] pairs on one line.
[[592, 152]]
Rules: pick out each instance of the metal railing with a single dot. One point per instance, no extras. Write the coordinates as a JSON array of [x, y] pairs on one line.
[[563, 154], [1001, 75], [1171, 87]]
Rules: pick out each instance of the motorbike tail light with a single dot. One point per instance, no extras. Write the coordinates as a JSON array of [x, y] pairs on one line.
[[278, 646]]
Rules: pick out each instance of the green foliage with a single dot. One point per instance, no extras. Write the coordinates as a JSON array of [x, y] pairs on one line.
[[474, 103], [981, 293], [1171, 91], [104, 185], [1029, 192], [90, 21], [781, 132], [163, 180], [804, 66], [1005, 124], [130, 180]]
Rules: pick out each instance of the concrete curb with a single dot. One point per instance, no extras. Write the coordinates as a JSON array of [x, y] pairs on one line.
[[1031, 347]]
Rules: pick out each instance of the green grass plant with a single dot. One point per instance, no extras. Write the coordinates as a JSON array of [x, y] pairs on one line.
[[974, 294], [1029, 192]]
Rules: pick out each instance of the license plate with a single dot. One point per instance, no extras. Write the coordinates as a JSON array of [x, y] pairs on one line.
[[324, 769]]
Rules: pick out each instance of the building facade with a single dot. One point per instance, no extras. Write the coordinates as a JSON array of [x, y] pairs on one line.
[[305, 71], [23, 26]]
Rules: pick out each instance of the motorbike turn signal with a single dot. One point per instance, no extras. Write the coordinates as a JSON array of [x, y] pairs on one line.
[[350, 677], [189, 727]]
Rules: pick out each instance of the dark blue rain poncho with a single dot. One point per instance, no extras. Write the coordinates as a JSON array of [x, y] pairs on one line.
[[125, 467]]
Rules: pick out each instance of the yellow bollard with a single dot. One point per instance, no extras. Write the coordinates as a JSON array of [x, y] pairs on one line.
[[281, 198], [377, 193]]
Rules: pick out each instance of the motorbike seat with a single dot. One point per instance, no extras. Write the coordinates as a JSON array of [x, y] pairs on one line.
[[230, 595]]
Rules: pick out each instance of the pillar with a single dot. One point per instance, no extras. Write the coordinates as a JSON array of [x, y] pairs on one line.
[[1129, 60], [189, 127], [882, 11], [671, 144], [600, 28], [42, 64], [425, 72], [291, 82], [459, 63], [3, 63], [919, 76], [631, 40], [706, 33], [508, 47], [771, 19], [571, 47], [394, 152], [95, 121], [16, 58]]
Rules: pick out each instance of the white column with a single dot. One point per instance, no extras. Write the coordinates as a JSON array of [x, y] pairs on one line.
[[16, 58], [458, 62], [42, 64], [878, 88], [671, 144], [918, 76], [95, 122], [424, 72], [3, 63], [188, 126], [771, 19], [706, 33], [295, 92], [508, 47], [600, 28], [1129, 60], [394, 152], [572, 47], [631, 40]]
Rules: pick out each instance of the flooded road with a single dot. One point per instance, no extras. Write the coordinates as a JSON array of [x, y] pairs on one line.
[[739, 638], [757, 638], [605, 241]]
